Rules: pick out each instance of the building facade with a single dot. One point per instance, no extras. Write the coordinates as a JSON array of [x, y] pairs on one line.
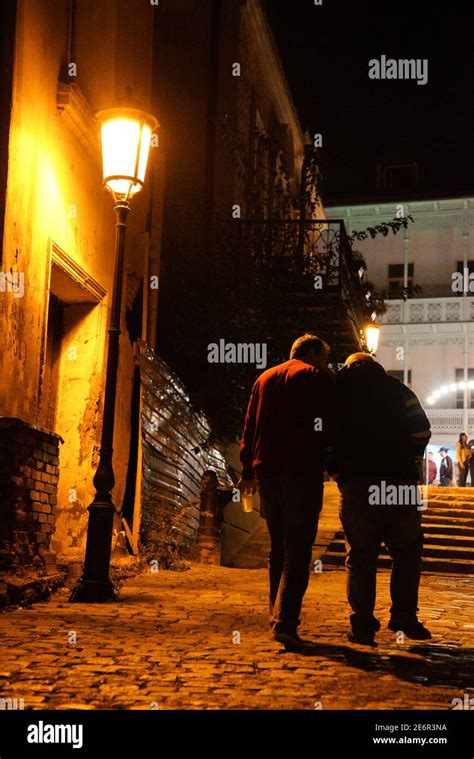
[[213, 99], [66, 60], [426, 340]]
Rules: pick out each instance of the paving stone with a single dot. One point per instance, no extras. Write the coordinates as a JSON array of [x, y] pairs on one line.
[[170, 641]]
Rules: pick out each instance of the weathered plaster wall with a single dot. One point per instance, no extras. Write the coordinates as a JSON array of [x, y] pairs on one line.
[[54, 195]]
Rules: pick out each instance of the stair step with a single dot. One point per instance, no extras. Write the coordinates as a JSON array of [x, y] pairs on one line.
[[437, 540], [447, 529], [461, 494], [455, 492], [443, 525], [451, 513], [455, 551], [448, 540], [430, 564], [434, 520], [450, 508], [454, 504], [452, 518]]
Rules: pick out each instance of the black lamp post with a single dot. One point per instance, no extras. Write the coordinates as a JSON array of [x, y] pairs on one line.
[[125, 137]]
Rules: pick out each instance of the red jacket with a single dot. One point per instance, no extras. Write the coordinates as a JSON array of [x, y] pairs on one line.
[[432, 471], [282, 431]]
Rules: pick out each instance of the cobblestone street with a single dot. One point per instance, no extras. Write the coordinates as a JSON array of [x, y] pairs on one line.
[[198, 640]]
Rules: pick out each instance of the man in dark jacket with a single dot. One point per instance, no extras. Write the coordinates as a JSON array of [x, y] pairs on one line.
[[382, 435], [446, 469], [289, 429]]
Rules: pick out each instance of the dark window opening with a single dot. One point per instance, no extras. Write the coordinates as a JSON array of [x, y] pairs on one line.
[[399, 374], [396, 278], [401, 177], [459, 374], [469, 267], [54, 340]]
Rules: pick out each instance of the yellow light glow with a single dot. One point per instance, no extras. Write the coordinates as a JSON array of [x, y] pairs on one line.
[[372, 332], [125, 137]]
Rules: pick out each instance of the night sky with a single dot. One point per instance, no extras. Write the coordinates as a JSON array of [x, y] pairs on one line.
[[326, 50]]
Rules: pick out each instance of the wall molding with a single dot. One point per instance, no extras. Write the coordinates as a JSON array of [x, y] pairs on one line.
[[78, 118], [79, 275]]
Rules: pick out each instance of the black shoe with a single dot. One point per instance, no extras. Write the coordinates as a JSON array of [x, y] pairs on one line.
[[362, 637], [414, 630], [291, 641], [364, 624]]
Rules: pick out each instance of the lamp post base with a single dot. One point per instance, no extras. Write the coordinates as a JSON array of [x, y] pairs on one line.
[[93, 591]]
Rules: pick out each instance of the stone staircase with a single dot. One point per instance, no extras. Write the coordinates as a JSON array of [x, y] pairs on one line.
[[448, 525]]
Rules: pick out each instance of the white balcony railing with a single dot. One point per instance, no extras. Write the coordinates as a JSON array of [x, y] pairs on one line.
[[449, 420], [428, 311]]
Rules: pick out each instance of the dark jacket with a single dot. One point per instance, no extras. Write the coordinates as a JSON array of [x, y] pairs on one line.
[[382, 428], [279, 432], [446, 470]]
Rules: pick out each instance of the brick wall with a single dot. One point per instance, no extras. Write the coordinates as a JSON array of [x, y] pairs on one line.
[[29, 470]]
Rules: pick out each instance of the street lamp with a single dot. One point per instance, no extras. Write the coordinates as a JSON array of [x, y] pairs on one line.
[[372, 333], [125, 138]]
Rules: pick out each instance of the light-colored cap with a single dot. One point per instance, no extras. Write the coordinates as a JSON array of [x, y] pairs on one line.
[[358, 357]]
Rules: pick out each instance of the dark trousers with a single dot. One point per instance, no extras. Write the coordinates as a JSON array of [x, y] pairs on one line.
[[471, 470], [291, 504], [463, 470], [366, 527]]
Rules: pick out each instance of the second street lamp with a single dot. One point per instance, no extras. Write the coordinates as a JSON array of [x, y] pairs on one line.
[[125, 138], [371, 335]]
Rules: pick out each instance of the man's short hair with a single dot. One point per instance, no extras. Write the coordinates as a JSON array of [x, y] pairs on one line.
[[305, 343]]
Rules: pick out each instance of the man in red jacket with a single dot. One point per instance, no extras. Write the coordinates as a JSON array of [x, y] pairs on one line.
[[288, 432]]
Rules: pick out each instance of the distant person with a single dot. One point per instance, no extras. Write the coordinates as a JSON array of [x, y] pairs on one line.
[[445, 469], [382, 435], [463, 454], [471, 461], [432, 468], [288, 431]]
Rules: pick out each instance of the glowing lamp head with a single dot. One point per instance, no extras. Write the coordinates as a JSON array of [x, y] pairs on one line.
[[125, 137], [372, 333]]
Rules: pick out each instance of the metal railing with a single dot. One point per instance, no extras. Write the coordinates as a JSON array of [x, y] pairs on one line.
[[429, 311], [313, 246], [448, 420]]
